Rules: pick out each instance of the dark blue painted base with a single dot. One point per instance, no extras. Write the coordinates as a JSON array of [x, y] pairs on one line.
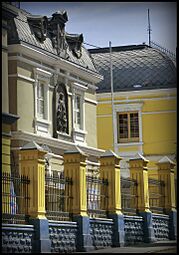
[[42, 243], [173, 225], [84, 241], [148, 230], [118, 230]]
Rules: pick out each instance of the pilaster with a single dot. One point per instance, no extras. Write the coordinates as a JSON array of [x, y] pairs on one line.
[[139, 172], [110, 170]]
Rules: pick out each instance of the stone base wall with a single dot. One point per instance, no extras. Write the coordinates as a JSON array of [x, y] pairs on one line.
[[101, 232], [63, 236], [133, 229], [17, 238], [160, 224]]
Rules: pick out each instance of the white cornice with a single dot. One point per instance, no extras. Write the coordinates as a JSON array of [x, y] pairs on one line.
[[53, 71], [152, 92], [91, 101], [138, 100], [79, 86], [55, 61], [159, 112], [16, 75], [55, 143]]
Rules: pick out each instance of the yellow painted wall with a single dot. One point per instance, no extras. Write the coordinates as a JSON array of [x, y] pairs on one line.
[[158, 129], [25, 69], [159, 105], [104, 133], [25, 105], [90, 119], [159, 133], [128, 148], [90, 123]]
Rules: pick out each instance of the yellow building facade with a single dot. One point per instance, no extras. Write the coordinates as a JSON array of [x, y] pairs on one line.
[[140, 117]]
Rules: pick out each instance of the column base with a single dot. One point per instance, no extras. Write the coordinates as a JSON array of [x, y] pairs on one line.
[[84, 240], [118, 230], [149, 236], [42, 243], [173, 225]]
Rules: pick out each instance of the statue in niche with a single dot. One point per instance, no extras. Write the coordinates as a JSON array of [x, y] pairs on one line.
[[61, 113]]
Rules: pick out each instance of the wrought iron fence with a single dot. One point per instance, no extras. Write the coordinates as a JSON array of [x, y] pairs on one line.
[[128, 195], [15, 198], [97, 198], [156, 195], [57, 197]]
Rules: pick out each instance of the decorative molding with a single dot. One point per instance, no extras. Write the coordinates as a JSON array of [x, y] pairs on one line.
[[129, 144], [139, 100], [104, 115], [79, 86], [90, 101], [79, 136], [55, 61], [159, 112], [53, 142], [16, 75], [129, 154], [128, 107], [127, 94]]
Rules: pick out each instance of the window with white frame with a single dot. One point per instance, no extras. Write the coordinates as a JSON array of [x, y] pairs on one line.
[[77, 112], [128, 123], [42, 81], [41, 100], [128, 127], [79, 132]]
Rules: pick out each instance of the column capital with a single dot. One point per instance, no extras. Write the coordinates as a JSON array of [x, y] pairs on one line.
[[76, 155], [110, 158], [139, 162], [165, 163]]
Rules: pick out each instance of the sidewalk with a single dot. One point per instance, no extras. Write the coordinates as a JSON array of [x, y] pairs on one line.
[[157, 247]]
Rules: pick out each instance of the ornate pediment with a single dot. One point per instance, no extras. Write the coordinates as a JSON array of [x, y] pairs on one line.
[[75, 43], [38, 25], [54, 28]]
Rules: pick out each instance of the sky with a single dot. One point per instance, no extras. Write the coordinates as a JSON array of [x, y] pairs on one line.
[[122, 23]]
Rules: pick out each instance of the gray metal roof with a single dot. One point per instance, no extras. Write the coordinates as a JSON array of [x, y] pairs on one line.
[[20, 31], [135, 67]]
